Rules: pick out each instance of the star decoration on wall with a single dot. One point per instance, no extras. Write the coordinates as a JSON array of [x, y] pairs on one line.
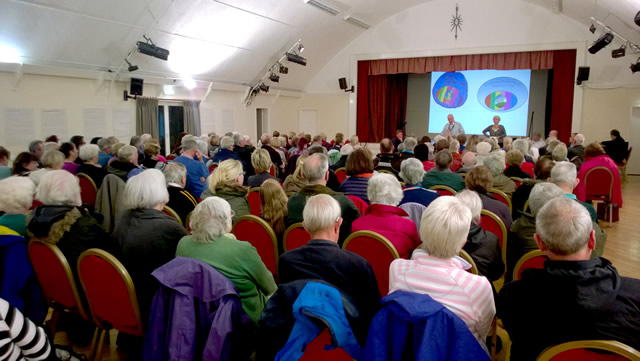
[[456, 22]]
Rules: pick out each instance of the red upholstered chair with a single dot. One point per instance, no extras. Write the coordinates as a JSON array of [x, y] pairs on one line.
[[88, 189], [533, 259], [444, 190], [584, 351], [517, 180], [502, 197], [295, 237], [188, 220], [360, 204], [171, 157], [35, 204], [255, 207], [272, 170], [258, 232], [213, 167], [111, 295], [341, 173], [171, 213], [467, 257], [317, 350], [377, 250], [492, 223], [56, 279], [598, 184]]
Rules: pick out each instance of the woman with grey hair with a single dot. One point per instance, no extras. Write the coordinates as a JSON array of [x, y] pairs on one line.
[[89, 153], [16, 199], [51, 160], [213, 243], [501, 182], [412, 172], [385, 217], [147, 237]]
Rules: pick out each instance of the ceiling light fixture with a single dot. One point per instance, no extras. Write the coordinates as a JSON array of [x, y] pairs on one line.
[[620, 52], [150, 48], [323, 6], [301, 48], [283, 69], [189, 83], [350, 19], [168, 90], [601, 43], [274, 77], [131, 68], [592, 29], [295, 58], [635, 67], [264, 87]]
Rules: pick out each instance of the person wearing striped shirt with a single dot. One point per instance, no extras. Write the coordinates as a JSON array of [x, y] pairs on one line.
[[21, 339], [180, 199], [435, 271]]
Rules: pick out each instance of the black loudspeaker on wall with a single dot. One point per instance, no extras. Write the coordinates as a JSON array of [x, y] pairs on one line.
[[583, 74], [344, 86], [136, 86]]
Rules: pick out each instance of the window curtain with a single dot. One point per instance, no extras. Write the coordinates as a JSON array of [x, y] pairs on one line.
[[147, 116], [564, 74], [192, 117]]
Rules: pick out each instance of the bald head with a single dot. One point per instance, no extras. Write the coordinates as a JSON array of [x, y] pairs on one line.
[[315, 169], [386, 146], [469, 159]]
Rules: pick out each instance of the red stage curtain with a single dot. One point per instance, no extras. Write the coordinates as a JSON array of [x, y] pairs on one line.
[[362, 119], [387, 106], [562, 94]]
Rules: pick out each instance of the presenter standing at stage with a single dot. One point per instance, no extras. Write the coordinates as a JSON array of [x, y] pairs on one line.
[[452, 128], [495, 130]]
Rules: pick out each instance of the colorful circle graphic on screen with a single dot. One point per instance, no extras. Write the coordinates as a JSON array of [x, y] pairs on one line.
[[502, 94], [450, 90]]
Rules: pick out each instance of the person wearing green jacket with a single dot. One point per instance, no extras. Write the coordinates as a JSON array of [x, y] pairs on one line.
[[441, 175], [226, 182]]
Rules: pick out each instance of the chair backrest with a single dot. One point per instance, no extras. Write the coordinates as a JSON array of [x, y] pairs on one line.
[[526, 206], [581, 350], [171, 213], [341, 173], [502, 197], [517, 180], [490, 222], [443, 190], [188, 220], [295, 237], [414, 210], [628, 154], [377, 250], [110, 292], [533, 259], [598, 183], [213, 167], [88, 189], [55, 277], [253, 197], [318, 350], [256, 231], [359, 203], [385, 171], [467, 257], [272, 170], [171, 157]]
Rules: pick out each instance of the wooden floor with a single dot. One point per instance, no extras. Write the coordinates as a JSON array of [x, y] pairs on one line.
[[622, 249]]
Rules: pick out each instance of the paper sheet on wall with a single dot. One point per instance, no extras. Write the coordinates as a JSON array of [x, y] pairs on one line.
[[19, 127], [122, 124], [227, 120], [54, 122], [94, 123]]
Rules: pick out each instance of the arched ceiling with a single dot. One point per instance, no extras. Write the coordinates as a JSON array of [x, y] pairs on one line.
[[220, 41]]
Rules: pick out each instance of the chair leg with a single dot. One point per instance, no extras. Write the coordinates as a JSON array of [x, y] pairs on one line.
[[94, 344], [610, 214], [100, 345], [494, 337], [52, 324]]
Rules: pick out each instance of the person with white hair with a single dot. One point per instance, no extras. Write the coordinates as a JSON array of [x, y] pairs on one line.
[[197, 172], [212, 242], [147, 237], [452, 128], [482, 151], [126, 166], [50, 160], [240, 148], [316, 172], [105, 154], [434, 269], [481, 245], [89, 153], [345, 150], [322, 258], [355, 142], [409, 145], [468, 162], [385, 217], [576, 148], [501, 182], [180, 200], [412, 172], [16, 199], [273, 154], [559, 153], [582, 297], [226, 151], [565, 175]]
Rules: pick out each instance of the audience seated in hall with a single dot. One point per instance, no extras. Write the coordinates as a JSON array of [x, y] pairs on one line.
[[482, 246], [384, 217], [345, 150], [151, 157], [225, 151], [105, 154], [316, 171], [468, 162], [454, 148], [70, 155], [616, 148], [323, 259], [384, 158], [542, 173], [441, 144], [261, 162], [213, 243], [564, 175], [197, 172], [573, 297], [560, 153], [480, 179], [36, 147], [576, 146], [241, 150], [412, 172], [441, 174], [515, 159], [146, 236], [295, 181], [596, 157], [226, 182], [90, 166], [126, 166], [407, 152], [273, 202], [524, 146], [5, 169], [501, 182], [276, 159], [51, 160], [16, 199], [359, 170], [180, 200], [22, 338], [434, 270]]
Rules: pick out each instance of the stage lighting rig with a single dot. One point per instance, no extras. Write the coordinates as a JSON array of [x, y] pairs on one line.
[[150, 48], [131, 68], [602, 42], [620, 52]]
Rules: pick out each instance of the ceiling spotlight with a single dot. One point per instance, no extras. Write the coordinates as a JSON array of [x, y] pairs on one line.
[[295, 58], [264, 87], [283, 69], [150, 48], [635, 67], [602, 41], [620, 52], [274, 77], [188, 82], [592, 29], [131, 67], [301, 48]]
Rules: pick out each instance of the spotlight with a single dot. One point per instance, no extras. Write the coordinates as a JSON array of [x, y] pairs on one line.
[[283, 69], [602, 41], [274, 77], [592, 29], [301, 48], [635, 67], [295, 58], [264, 87], [131, 67], [149, 48], [619, 53]]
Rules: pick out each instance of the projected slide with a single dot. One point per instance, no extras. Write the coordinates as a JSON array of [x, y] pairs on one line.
[[474, 97]]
